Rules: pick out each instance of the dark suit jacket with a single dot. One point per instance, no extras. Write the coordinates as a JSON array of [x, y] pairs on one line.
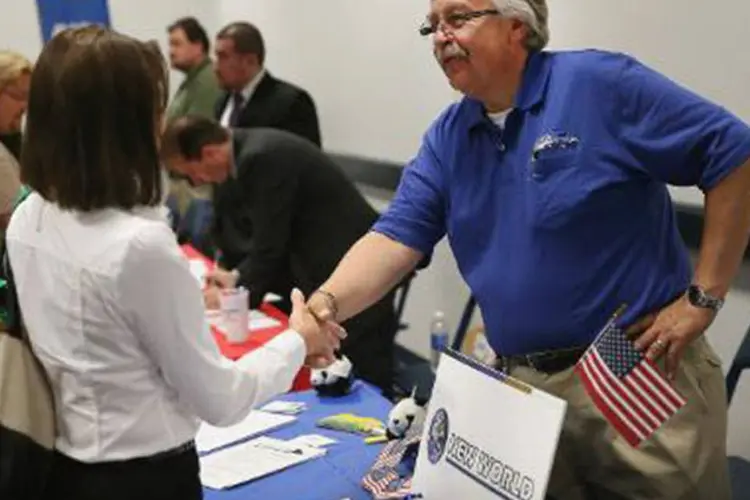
[[303, 214], [277, 104]]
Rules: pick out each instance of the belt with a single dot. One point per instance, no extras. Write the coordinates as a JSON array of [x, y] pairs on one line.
[[137, 462], [552, 361], [188, 447]]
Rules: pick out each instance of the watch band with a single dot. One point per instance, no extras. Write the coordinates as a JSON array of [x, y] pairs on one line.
[[698, 297], [331, 300]]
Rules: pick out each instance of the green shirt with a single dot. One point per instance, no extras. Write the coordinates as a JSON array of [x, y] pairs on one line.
[[198, 93], [23, 192]]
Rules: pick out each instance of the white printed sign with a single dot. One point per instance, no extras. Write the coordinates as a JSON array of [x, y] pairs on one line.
[[486, 436]]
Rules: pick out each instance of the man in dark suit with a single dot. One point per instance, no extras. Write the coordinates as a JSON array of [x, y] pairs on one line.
[[303, 212], [253, 97]]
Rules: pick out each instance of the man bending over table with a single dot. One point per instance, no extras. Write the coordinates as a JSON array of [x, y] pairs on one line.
[[282, 207]]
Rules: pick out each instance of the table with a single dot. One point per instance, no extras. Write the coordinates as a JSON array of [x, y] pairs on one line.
[[257, 337], [335, 476]]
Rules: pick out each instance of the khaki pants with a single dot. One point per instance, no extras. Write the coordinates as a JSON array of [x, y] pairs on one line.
[[684, 460]]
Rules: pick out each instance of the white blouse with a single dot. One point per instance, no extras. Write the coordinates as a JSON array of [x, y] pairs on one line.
[[117, 320]]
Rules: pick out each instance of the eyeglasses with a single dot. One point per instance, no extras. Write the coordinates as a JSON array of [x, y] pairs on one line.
[[454, 21]]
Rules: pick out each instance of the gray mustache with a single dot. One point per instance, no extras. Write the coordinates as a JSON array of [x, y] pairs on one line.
[[453, 50]]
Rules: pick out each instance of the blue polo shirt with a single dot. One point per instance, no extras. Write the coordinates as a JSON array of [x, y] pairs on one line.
[[564, 214]]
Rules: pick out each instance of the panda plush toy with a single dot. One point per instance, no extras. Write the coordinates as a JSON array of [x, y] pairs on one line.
[[406, 414], [334, 380]]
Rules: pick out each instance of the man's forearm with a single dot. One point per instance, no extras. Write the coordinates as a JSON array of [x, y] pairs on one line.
[[372, 267], [725, 232]]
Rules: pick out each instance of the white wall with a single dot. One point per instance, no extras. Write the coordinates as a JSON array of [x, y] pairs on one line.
[[19, 25], [371, 75], [697, 43]]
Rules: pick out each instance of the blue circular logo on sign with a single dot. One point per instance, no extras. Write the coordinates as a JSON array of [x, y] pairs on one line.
[[438, 436]]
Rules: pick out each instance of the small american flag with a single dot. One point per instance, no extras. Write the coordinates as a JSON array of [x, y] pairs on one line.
[[627, 387], [384, 481]]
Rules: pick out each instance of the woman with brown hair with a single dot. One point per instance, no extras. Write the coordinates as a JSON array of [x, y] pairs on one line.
[[111, 308]]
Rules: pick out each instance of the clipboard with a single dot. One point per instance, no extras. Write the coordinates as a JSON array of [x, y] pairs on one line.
[[486, 435]]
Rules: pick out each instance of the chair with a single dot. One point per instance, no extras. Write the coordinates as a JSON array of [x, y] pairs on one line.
[[402, 292], [412, 370], [739, 473], [739, 468], [741, 362], [464, 324]]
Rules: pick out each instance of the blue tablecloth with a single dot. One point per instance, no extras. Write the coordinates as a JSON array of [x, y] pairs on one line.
[[335, 476]]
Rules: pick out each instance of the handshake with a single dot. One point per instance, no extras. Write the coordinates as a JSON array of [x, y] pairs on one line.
[[314, 321]]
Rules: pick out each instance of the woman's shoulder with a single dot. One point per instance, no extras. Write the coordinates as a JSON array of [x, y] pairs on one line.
[[106, 235], [150, 237], [25, 203]]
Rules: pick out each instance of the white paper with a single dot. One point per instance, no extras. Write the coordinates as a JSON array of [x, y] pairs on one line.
[[198, 270], [259, 320], [287, 407], [496, 440], [252, 460], [313, 440], [210, 438]]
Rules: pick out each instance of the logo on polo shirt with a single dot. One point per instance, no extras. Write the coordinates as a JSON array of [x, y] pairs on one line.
[[553, 141]]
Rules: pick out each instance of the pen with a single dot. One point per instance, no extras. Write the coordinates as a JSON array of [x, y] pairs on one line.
[[295, 451]]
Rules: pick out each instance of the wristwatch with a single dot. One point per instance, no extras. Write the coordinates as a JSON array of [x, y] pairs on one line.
[[698, 297]]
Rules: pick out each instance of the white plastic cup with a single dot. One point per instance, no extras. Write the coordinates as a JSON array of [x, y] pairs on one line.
[[235, 314]]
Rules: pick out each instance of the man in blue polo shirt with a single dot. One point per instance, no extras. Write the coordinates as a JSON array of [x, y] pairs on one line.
[[550, 180]]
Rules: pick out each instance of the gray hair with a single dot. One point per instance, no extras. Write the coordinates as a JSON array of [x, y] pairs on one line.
[[534, 13]]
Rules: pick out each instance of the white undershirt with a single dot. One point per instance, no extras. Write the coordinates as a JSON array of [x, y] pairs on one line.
[[118, 323], [247, 93], [499, 117]]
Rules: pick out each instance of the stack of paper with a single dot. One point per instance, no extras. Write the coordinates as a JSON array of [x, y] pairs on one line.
[[258, 422], [313, 440], [285, 407], [252, 460]]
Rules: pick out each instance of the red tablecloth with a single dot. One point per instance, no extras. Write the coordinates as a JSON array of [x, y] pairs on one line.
[[257, 337]]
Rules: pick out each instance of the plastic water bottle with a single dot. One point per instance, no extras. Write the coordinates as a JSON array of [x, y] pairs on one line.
[[438, 337]]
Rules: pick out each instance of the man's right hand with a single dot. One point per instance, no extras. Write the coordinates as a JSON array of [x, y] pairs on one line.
[[320, 340]]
